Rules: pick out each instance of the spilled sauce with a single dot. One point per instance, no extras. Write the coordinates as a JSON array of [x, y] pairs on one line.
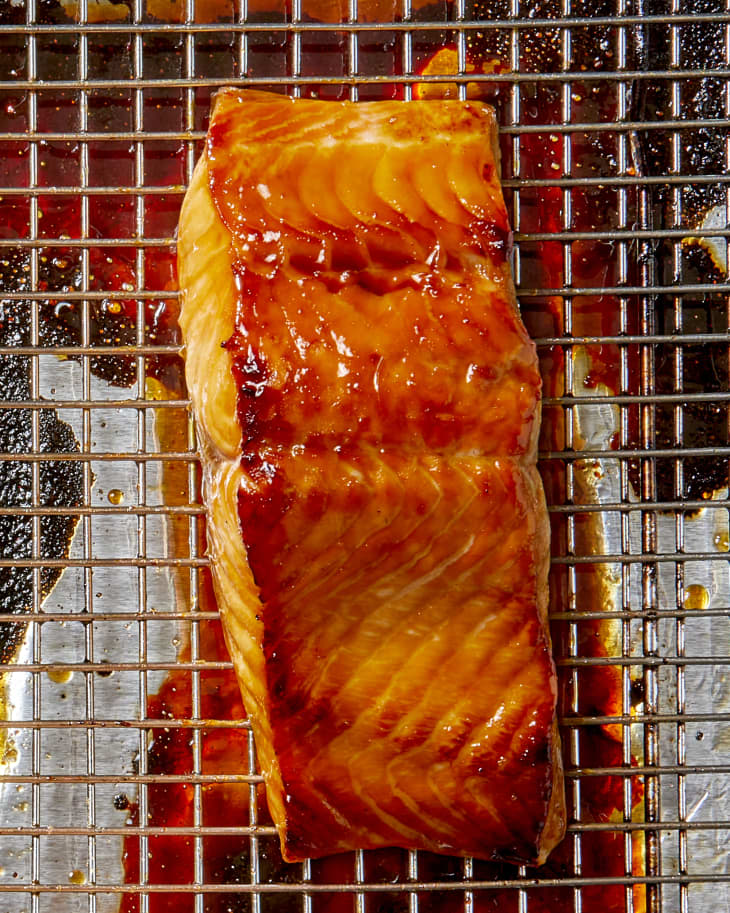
[[61, 321], [121, 321], [59, 482], [60, 676], [696, 596]]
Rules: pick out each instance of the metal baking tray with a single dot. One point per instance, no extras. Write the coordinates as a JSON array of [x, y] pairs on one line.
[[128, 777]]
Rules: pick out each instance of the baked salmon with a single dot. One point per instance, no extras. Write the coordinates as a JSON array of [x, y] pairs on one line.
[[368, 401]]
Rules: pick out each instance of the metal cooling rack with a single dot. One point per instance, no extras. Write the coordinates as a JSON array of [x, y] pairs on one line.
[[76, 731]]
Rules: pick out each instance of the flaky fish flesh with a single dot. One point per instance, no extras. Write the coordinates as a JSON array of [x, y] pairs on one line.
[[368, 405]]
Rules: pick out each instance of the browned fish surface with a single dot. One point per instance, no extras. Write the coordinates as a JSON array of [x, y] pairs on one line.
[[368, 406]]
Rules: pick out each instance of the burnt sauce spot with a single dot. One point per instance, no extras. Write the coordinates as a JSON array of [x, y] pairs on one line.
[[59, 482], [61, 319], [690, 369], [701, 368]]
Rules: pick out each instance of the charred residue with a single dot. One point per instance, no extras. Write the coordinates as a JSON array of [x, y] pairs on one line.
[[58, 483], [695, 151], [698, 150], [110, 316]]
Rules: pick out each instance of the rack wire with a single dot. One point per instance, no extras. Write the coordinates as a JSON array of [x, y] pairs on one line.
[[103, 108]]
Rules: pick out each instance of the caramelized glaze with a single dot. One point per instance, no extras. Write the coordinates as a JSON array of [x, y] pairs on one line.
[[382, 581]]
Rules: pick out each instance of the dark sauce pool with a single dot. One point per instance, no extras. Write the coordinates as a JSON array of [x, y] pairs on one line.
[[119, 321]]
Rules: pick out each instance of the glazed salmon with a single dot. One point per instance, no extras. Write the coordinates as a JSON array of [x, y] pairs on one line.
[[368, 404]]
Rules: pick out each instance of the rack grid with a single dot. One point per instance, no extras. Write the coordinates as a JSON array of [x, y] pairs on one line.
[[614, 119]]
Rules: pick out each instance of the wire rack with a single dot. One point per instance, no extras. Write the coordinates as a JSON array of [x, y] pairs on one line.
[[615, 121]]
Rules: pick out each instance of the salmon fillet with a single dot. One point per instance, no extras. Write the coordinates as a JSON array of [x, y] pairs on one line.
[[368, 405]]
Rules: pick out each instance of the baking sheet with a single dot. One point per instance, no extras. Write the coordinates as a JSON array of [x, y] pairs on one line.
[[692, 807]]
